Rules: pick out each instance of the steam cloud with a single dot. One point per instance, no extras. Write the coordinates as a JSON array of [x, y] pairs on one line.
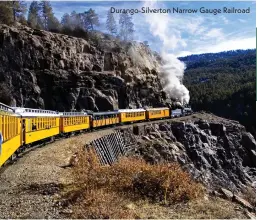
[[172, 69], [172, 74], [141, 57]]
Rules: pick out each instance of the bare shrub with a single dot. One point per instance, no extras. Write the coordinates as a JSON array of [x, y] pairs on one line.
[[104, 191]]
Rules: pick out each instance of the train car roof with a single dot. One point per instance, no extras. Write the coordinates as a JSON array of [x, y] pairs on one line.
[[6, 108], [30, 112], [65, 114], [152, 109], [105, 113], [132, 110]]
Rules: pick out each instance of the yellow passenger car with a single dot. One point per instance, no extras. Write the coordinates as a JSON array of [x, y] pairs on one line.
[[131, 115], [157, 113], [10, 128], [101, 119], [38, 124], [74, 121]]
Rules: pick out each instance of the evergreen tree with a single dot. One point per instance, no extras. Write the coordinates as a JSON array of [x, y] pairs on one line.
[[50, 22], [78, 20], [53, 24], [126, 27], [66, 21], [90, 19], [34, 19], [111, 23], [5, 13], [19, 9]]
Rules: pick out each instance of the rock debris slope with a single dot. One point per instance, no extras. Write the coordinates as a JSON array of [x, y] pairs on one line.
[[219, 154], [59, 72]]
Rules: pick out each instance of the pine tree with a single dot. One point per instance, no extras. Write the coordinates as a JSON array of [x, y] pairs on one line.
[[5, 13], [19, 9], [50, 22], [111, 23], [12, 11], [126, 27], [66, 21], [34, 19], [46, 13], [90, 19], [77, 20], [53, 24]]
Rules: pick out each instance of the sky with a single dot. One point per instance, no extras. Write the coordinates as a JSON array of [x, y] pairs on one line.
[[180, 34]]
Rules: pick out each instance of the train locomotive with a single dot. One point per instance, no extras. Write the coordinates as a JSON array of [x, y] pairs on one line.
[[21, 128]]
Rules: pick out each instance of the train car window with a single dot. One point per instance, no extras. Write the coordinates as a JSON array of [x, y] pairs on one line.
[[41, 122]]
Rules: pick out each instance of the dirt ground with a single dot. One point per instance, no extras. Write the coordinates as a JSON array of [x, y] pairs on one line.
[[29, 187]]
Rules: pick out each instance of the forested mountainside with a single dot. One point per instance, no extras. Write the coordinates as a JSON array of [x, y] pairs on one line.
[[224, 84], [205, 57]]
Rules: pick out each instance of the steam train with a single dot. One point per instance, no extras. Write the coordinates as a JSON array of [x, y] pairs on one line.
[[21, 128]]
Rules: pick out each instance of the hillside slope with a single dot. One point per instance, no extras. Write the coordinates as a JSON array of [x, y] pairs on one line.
[[224, 84]]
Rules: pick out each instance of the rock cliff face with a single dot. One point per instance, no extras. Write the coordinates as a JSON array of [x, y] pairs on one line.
[[39, 69], [219, 154]]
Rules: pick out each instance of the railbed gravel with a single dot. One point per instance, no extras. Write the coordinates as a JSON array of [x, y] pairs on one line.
[[29, 187]]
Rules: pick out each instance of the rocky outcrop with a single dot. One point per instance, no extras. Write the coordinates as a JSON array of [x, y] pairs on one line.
[[217, 154], [59, 72]]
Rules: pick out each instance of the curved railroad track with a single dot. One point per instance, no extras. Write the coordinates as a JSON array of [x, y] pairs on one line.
[[89, 131]]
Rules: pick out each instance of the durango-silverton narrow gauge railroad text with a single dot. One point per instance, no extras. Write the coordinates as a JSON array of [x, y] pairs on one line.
[[176, 10]]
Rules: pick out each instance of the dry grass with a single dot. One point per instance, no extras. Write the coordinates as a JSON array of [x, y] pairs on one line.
[[109, 191], [249, 194], [213, 208]]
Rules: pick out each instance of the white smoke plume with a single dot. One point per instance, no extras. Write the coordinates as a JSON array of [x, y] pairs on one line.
[[172, 72], [172, 69], [141, 56]]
